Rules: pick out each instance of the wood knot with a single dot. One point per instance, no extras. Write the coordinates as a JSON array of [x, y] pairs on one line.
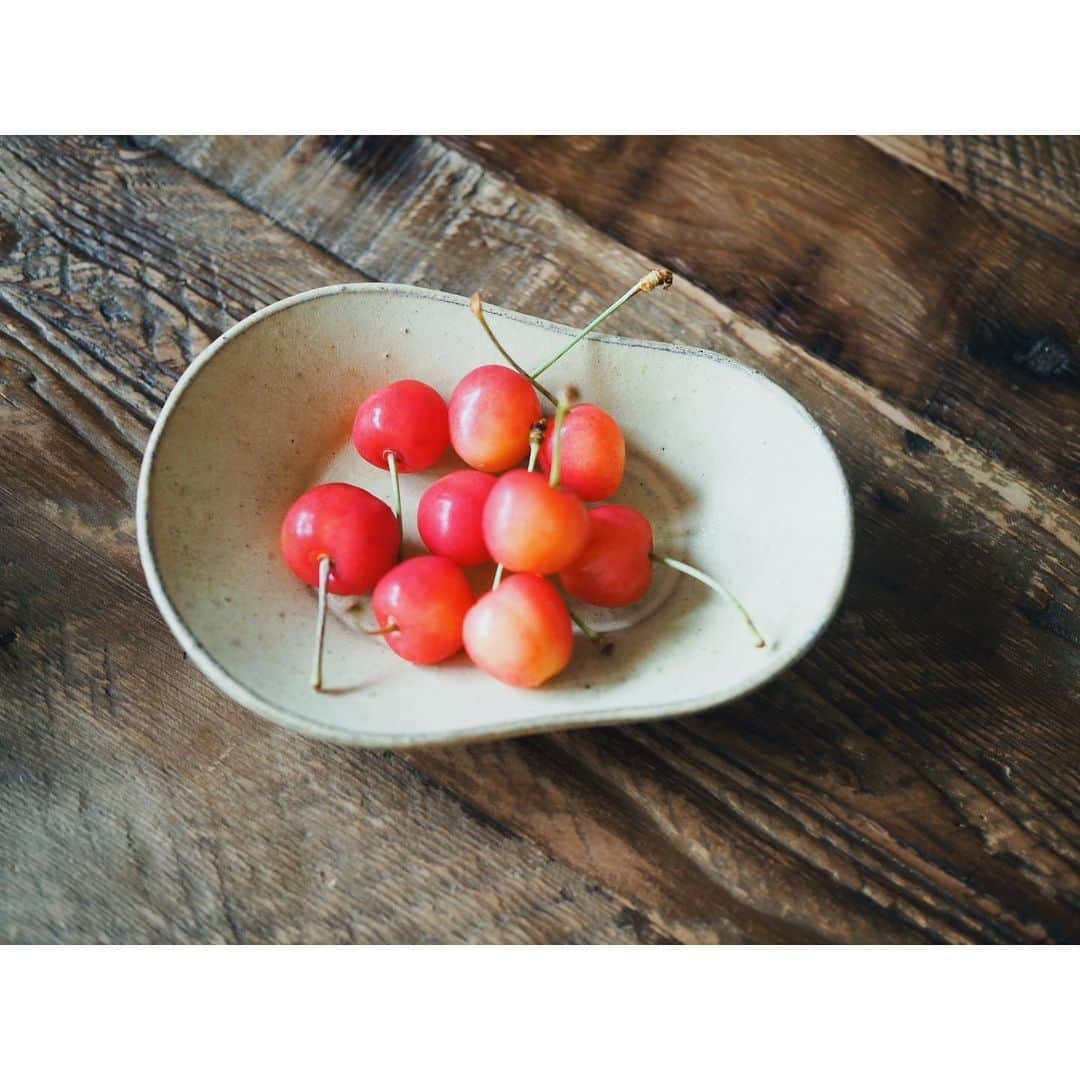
[[916, 444], [1046, 358], [374, 154], [1039, 352], [9, 238]]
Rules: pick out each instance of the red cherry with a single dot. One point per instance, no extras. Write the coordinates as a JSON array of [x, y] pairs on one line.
[[356, 531], [531, 526], [407, 419], [491, 412], [615, 568], [425, 600], [520, 632], [593, 453], [450, 516]]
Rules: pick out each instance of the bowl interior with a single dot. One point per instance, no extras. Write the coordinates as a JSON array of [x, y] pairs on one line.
[[733, 472]]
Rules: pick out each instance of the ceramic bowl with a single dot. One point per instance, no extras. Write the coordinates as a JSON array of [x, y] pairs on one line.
[[735, 475]]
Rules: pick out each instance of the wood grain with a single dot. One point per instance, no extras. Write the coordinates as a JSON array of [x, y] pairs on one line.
[[956, 315], [1033, 178], [914, 779], [136, 804], [958, 645]]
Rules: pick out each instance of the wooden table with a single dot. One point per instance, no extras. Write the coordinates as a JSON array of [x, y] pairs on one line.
[[916, 778]]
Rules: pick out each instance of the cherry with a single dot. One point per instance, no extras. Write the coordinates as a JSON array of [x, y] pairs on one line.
[[491, 412], [450, 516], [421, 605], [520, 632], [593, 453], [404, 427], [348, 526], [614, 569], [338, 538], [407, 419], [529, 524]]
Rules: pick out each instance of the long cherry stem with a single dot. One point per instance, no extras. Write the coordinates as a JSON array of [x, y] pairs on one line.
[[713, 584], [566, 399], [395, 480], [320, 622], [536, 438], [655, 278], [477, 307]]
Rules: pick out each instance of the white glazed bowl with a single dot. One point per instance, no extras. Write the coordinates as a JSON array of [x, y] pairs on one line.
[[734, 473]]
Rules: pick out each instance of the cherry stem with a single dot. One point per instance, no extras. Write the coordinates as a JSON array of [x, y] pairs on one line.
[[655, 278], [536, 439], [566, 399], [392, 465], [713, 584], [477, 307], [320, 622], [584, 627], [594, 638], [390, 628]]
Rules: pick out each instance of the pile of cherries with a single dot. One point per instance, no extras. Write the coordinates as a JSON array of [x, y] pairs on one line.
[[534, 524]]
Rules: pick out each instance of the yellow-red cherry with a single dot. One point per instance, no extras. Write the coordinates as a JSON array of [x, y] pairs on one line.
[[520, 632], [421, 606], [615, 568], [357, 532], [593, 453], [532, 527], [491, 412], [408, 419], [450, 517]]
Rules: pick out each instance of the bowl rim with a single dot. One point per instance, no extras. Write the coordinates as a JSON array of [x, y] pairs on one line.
[[305, 725]]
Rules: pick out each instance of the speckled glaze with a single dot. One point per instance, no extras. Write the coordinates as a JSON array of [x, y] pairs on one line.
[[734, 473]]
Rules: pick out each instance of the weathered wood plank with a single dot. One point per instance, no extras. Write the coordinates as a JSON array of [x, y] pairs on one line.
[[956, 315], [136, 804], [913, 779], [1034, 178], [916, 776]]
